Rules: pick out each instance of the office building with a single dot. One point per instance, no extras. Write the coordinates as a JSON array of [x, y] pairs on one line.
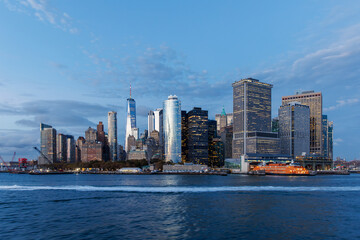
[[197, 136], [172, 129], [91, 135], [159, 120], [100, 133], [330, 140], [294, 129], [184, 137], [151, 122], [79, 143], [61, 148], [130, 120], [252, 119], [112, 135], [223, 120], [227, 139], [325, 140], [314, 101], [47, 144], [70, 147]]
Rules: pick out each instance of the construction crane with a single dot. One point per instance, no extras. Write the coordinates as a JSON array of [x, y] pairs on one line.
[[13, 157], [44, 156]]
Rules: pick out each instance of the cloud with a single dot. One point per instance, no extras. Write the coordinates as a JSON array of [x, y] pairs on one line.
[[19, 141], [337, 141], [59, 113], [44, 12], [156, 72], [342, 103]]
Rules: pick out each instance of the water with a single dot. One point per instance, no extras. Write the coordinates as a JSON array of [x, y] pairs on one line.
[[179, 207]]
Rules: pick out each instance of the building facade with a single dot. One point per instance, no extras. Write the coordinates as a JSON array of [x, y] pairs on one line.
[[130, 119], [252, 119], [197, 136], [61, 148], [70, 144], [47, 144], [294, 129], [330, 140], [325, 140], [314, 101], [172, 129], [223, 120], [151, 122], [112, 135]]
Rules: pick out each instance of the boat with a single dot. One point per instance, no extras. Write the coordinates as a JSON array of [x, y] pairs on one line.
[[287, 169]]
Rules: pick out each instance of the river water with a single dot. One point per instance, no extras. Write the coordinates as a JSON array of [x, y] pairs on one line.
[[179, 207]]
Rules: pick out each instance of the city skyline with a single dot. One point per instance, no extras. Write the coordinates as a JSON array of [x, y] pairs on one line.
[[86, 88]]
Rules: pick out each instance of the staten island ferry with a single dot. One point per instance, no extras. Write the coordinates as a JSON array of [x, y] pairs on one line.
[[290, 169]]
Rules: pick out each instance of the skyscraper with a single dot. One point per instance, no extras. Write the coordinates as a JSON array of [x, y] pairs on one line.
[[172, 129], [252, 119], [70, 144], [294, 129], [325, 127], [47, 143], [159, 120], [223, 120], [112, 132], [61, 149], [130, 119], [330, 140], [197, 136], [151, 122], [314, 101]]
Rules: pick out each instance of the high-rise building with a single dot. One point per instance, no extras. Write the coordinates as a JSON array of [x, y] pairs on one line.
[[325, 127], [294, 129], [91, 135], [112, 135], [330, 140], [70, 148], [275, 125], [159, 120], [172, 129], [61, 148], [314, 101], [100, 133], [151, 122], [227, 139], [252, 119], [130, 119], [184, 137], [223, 120], [79, 143], [47, 143], [197, 136]]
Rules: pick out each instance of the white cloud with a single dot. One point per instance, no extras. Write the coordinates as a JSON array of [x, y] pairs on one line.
[[43, 11], [342, 103]]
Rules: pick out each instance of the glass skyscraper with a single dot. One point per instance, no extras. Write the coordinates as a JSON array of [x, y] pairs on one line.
[[172, 129], [47, 143], [112, 135], [130, 120]]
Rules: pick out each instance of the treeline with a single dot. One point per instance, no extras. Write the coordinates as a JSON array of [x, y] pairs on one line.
[[105, 166]]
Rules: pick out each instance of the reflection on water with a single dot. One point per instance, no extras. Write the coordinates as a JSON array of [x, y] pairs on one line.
[[179, 207]]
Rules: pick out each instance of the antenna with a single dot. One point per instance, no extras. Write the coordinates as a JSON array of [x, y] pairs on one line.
[[130, 89]]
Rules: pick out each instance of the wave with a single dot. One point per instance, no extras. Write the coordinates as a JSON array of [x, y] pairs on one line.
[[182, 189]]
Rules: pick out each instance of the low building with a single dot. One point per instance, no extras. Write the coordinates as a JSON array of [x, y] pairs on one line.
[[187, 167], [136, 155], [130, 170]]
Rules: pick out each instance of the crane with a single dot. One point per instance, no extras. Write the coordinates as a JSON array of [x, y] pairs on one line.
[[13, 157], [43, 155]]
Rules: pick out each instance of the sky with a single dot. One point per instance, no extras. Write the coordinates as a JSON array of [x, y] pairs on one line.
[[67, 63]]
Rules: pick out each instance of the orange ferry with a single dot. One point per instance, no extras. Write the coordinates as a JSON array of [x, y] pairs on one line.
[[282, 169]]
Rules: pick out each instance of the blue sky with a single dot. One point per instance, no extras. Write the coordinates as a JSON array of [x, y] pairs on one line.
[[67, 63]]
